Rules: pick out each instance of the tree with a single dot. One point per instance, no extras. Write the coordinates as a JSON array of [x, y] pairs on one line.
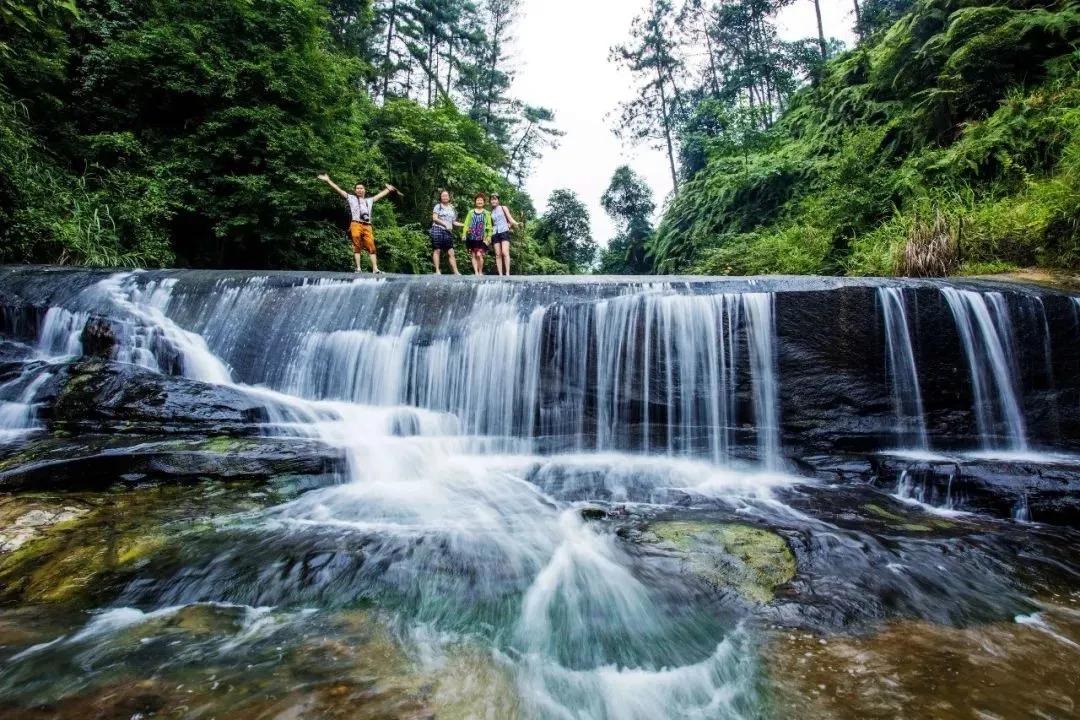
[[536, 133], [820, 30], [628, 201], [653, 114], [564, 233]]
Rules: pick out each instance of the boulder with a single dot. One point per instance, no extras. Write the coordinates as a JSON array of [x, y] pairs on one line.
[[750, 560], [102, 461], [95, 395]]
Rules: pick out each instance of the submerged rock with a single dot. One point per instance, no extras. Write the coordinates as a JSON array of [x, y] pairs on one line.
[[84, 545], [25, 519], [913, 669], [750, 560], [249, 663]]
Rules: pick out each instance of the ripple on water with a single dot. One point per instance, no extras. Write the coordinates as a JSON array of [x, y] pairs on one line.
[[915, 669]]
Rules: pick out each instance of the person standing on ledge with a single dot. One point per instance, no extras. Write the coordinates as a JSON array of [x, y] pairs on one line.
[[501, 221], [360, 230], [443, 221], [477, 233]]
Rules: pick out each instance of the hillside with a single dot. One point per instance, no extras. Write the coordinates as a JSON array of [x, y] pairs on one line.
[[944, 142]]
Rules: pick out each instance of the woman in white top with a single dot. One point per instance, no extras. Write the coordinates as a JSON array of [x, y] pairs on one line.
[[443, 219], [502, 222]]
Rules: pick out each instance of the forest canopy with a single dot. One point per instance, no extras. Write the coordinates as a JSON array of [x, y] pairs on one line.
[[190, 132], [945, 141]]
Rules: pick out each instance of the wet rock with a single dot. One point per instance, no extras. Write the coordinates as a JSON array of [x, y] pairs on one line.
[[106, 537], [98, 339], [1047, 492], [23, 520], [750, 560], [93, 462], [100, 396], [593, 513]]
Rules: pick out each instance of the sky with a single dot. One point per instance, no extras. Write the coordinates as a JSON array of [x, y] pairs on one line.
[[561, 54]]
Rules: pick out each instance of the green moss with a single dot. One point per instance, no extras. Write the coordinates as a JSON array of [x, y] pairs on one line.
[[224, 444], [751, 560], [883, 513]]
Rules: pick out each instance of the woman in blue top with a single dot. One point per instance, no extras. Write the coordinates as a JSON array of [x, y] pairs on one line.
[[443, 219], [501, 221]]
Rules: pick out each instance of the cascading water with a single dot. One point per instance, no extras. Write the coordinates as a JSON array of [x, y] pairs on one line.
[[982, 320], [441, 420], [903, 374], [483, 423], [58, 340], [649, 369]]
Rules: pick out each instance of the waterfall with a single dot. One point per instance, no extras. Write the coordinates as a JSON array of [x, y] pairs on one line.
[[903, 375], [643, 368], [514, 449], [985, 329], [58, 339], [17, 405], [762, 330]]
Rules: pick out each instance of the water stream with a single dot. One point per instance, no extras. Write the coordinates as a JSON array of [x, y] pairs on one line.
[[903, 373], [516, 533]]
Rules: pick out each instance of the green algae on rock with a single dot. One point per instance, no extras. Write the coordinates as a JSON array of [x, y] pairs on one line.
[[750, 560], [95, 539], [24, 519]]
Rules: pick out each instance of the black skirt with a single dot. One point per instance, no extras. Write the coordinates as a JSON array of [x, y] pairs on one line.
[[441, 238]]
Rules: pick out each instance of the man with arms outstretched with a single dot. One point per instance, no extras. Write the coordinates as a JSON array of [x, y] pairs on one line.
[[360, 230]]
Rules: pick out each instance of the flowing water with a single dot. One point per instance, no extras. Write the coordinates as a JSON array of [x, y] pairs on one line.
[[531, 478], [986, 331], [903, 374]]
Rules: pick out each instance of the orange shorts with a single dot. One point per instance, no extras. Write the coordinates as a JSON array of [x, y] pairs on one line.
[[363, 237]]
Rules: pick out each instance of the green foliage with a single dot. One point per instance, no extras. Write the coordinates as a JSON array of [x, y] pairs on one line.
[[628, 201], [967, 110], [191, 131], [563, 232]]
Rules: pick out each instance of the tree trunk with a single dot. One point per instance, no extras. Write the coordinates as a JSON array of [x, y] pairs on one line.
[[389, 43], [450, 66], [517, 148], [431, 68], [858, 19], [667, 131], [820, 29], [496, 50], [712, 62]]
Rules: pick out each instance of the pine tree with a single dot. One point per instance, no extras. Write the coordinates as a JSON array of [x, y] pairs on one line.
[[652, 56]]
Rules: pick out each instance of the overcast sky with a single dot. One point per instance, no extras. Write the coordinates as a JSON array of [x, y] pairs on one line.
[[561, 50]]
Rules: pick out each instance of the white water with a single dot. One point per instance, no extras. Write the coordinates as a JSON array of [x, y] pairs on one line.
[[903, 374], [17, 418], [58, 341], [986, 334], [443, 477], [448, 418], [924, 496]]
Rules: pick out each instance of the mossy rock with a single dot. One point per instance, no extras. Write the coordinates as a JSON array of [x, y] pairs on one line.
[[918, 523], [883, 513], [225, 444], [98, 539], [752, 561]]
